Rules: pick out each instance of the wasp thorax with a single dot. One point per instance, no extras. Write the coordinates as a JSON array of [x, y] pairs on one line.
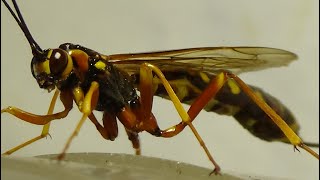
[[50, 67]]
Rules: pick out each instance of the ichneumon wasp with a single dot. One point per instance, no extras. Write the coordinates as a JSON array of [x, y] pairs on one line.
[[193, 77]]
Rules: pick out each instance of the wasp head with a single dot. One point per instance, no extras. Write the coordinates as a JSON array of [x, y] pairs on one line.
[[51, 66]]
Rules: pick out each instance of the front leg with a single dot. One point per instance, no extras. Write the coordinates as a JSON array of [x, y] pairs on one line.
[[66, 99], [45, 129], [86, 104]]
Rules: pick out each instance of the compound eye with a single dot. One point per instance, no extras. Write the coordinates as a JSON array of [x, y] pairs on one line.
[[58, 61]]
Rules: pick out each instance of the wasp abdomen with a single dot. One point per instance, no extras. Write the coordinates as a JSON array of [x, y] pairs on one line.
[[231, 101], [249, 115]]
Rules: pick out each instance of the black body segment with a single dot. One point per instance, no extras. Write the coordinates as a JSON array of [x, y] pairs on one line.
[[231, 101], [203, 77], [115, 86]]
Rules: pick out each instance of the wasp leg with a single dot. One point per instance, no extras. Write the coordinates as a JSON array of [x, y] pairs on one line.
[[134, 138], [210, 92], [294, 139], [146, 92], [85, 104], [45, 129], [66, 99], [109, 130], [110, 125], [195, 108]]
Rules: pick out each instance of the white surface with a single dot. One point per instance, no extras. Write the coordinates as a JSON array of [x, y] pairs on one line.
[[107, 166], [136, 26]]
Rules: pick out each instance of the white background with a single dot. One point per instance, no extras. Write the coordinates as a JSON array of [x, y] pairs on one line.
[[136, 26]]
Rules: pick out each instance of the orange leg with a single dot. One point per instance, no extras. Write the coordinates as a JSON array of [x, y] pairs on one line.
[[109, 130], [45, 129], [195, 108], [86, 103], [294, 139], [210, 92], [66, 99], [134, 138], [147, 96]]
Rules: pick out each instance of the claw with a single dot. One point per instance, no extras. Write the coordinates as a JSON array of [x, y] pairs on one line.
[[295, 149], [215, 171], [49, 136], [61, 156]]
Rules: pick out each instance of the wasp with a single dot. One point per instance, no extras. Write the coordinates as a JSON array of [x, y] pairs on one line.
[[206, 78]]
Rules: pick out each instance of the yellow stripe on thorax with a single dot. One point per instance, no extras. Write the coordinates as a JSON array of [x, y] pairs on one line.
[[100, 65]]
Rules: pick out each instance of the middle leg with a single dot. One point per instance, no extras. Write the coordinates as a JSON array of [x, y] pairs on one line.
[[146, 94]]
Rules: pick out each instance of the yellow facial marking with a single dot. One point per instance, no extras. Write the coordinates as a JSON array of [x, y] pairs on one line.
[[234, 87], [43, 67], [46, 66], [100, 65], [49, 54]]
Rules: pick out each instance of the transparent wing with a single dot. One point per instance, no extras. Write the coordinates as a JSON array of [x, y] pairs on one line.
[[207, 59]]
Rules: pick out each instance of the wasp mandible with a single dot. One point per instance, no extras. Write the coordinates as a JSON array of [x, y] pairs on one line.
[[108, 83]]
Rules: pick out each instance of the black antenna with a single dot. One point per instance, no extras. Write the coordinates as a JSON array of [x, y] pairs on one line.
[[36, 50]]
